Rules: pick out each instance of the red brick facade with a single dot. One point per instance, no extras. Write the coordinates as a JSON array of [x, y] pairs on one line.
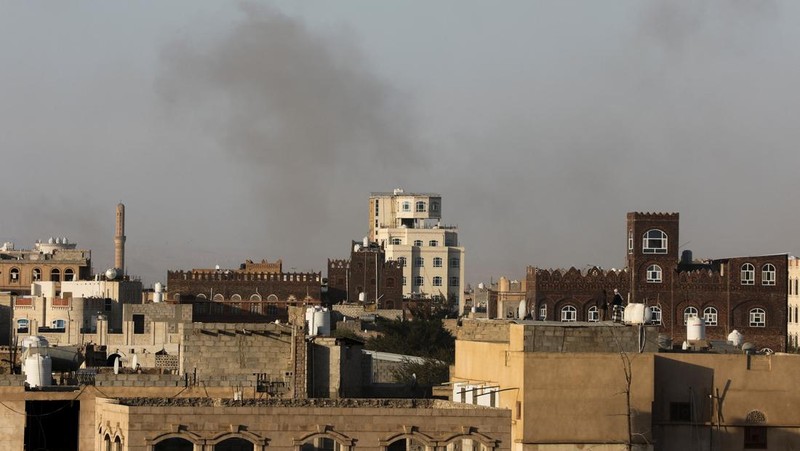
[[368, 272], [743, 293]]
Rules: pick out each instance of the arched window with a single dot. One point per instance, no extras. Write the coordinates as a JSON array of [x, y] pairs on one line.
[[710, 316], [236, 298], [272, 298], [758, 317], [437, 262], [36, 275], [437, 281], [13, 275], [219, 297], [397, 241], [321, 444], [69, 275], [687, 313], [174, 444], [255, 297], [117, 444], [234, 444], [543, 312], [420, 206], [654, 242], [569, 314], [201, 296], [406, 444], [768, 274], [654, 274], [748, 274], [593, 315], [655, 315], [55, 275], [107, 443]]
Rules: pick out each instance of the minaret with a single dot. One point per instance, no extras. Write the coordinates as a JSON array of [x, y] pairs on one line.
[[119, 239]]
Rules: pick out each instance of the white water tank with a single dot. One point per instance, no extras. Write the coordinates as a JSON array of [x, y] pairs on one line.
[[38, 370], [736, 338], [318, 320], [158, 294], [695, 328], [637, 314]]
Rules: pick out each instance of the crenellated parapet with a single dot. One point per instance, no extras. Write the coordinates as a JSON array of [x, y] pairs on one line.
[[338, 264], [575, 280], [219, 276]]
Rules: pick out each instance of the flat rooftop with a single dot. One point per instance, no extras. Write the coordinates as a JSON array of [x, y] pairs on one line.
[[313, 402]]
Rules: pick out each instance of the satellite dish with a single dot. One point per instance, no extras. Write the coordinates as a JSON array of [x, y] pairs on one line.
[[111, 273]]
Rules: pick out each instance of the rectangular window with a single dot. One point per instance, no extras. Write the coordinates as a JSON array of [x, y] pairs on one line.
[[454, 262], [454, 281], [138, 324]]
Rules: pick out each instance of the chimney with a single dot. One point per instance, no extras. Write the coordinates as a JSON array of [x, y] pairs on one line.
[[119, 239]]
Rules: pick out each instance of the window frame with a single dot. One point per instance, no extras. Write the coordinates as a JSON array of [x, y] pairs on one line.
[[656, 315], [454, 281], [687, 313], [396, 241], [419, 281], [650, 240], [747, 274], [569, 314], [406, 205], [710, 316], [455, 262], [402, 261], [433, 243], [419, 206], [437, 281], [768, 273], [437, 262], [593, 314], [418, 243], [654, 274], [419, 262], [757, 317]]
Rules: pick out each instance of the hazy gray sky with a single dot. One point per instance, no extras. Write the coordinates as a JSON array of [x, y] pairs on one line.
[[237, 131]]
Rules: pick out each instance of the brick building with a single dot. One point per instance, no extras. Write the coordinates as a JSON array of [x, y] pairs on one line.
[[747, 294], [252, 293], [367, 271]]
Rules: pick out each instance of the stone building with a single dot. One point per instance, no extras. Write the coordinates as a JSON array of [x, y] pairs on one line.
[[408, 227], [253, 293], [747, 294], [603, 386], [57, 260], [368, 272], [793, 328]]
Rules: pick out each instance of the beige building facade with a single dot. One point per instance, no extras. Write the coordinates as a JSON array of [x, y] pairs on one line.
[[793, 327], [408, 227], [56, 260]]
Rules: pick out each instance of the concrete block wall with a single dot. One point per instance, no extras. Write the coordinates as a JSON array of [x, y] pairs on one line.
[[590, 338], [483, 330]]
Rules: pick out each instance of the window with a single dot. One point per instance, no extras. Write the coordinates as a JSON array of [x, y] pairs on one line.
[[755, 437], [758, 318], [454, 262], [768, 274], [569, 314], [593, 315], [437, 281], [454, 281], [138, 324], [433, 243], [655, 315], [397, 241], [37, 274], [543, 312], [418, 281], [406, 206], [655, 242], [710, 316], [58, 324], [419, 262], [402, 261], [23, 324], [437, 262], [14, 275], [377, 207], [69, 275], [420, 206], [434, 206], [688, 312], [748, 274], [404, 281], [108, 304], [630, 241], [255, 297], [417, 242], [654, 274], [236, 298], [218, 297]]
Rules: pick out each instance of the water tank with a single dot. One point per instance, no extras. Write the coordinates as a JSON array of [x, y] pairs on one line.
[[158, 294], [735, 338], [636, 313], [362, 297], [695, 328], [38, 370], [111, 273], [318, 320]]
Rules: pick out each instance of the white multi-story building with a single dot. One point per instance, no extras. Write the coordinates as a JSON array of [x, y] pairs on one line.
[[793, 329], [408, 226]]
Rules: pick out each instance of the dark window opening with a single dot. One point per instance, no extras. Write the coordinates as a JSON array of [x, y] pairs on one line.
[[755, 437], [138, 324], [52, 425]]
